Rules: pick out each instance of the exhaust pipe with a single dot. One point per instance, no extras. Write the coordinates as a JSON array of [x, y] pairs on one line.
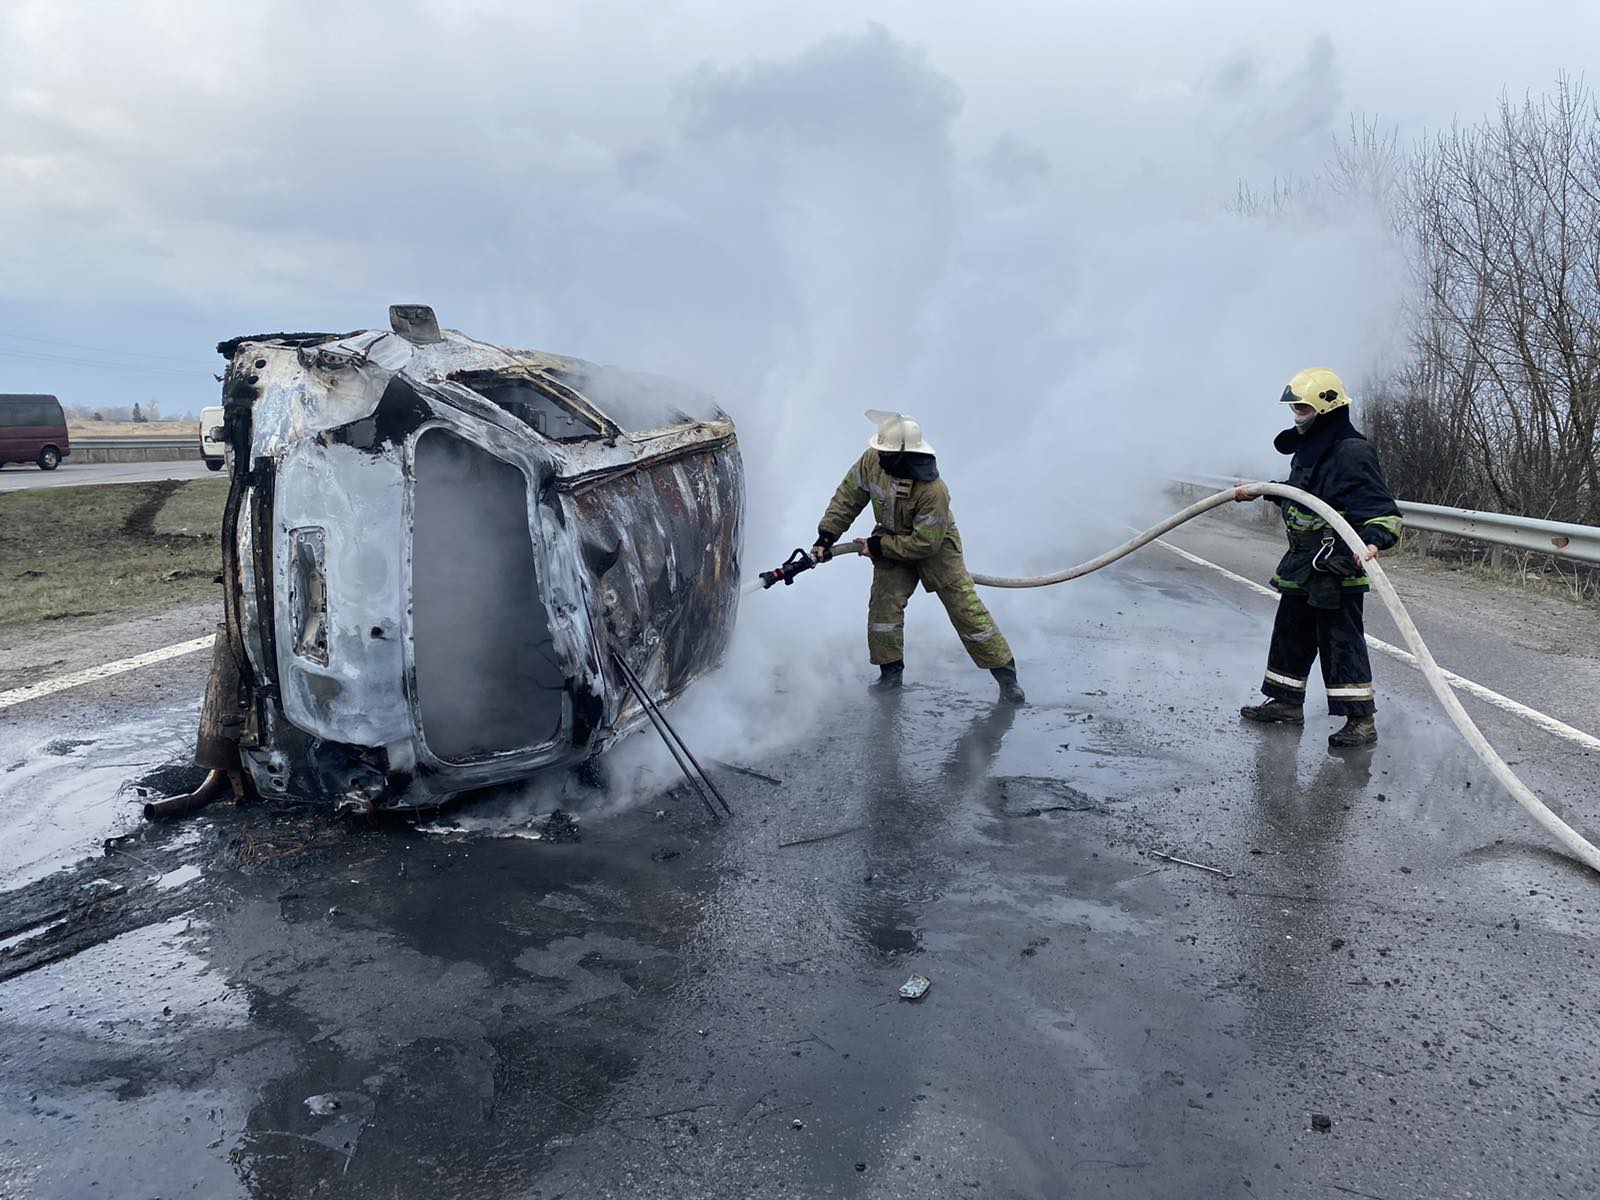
[[215, 786]]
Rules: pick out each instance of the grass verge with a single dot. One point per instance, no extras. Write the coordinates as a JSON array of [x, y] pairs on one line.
[[81, 551]]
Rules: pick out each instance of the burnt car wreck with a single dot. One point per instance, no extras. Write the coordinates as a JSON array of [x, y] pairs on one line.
[[436, 550]]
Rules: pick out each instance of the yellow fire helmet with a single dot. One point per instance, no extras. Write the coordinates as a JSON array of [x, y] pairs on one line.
[[1318, 387]]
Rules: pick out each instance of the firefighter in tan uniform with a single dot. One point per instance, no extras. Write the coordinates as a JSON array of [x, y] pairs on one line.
[[915, 541]]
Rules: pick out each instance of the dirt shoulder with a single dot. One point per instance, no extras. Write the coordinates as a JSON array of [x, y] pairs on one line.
[[77, 561]]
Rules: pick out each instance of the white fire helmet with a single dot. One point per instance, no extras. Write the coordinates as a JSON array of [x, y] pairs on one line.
[[896, 432]]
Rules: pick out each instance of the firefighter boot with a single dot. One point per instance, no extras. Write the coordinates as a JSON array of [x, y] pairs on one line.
[[1357, 731], [1275, 712], [891, 677], [1010, 691]]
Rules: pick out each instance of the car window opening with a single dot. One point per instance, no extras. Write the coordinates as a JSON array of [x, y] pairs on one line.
[[531, 404], [488, 678]]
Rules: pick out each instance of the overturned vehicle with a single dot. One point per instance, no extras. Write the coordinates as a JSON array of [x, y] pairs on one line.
[[443, 559]]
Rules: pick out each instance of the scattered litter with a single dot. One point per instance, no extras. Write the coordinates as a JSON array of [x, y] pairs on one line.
[[1321, 1122], [1034, 947], [558, 827], [915, 988], [826, 837], [324, 1105], [1184, 862], [861, 1166], [797, 1123], [662, 814], [62, 747]]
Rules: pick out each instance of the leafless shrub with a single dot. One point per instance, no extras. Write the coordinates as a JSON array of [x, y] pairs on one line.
[[1498, 404]]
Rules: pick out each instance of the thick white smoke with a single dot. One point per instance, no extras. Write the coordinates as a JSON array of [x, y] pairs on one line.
[[1013, 224], [1069, 328]]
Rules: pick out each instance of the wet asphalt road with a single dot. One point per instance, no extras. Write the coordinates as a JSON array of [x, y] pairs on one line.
[[19, 477], [677, 1008]]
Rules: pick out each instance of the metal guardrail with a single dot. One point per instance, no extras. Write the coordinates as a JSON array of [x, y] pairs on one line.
[[1579, 543], [134, 443]]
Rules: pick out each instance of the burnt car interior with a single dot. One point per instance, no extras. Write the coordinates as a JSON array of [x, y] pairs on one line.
[[488, 680], [534, 402]]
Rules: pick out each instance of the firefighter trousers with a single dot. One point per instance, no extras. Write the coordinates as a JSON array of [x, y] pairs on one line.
[[892, 586], [1302, 634]]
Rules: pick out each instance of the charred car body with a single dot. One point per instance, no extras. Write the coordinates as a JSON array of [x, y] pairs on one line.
[[433, 548]]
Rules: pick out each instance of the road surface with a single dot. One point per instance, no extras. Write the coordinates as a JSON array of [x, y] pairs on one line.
[[1391, 995], [15, 478]]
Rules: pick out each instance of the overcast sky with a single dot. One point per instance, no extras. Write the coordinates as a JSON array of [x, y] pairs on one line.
[[1009, 216]]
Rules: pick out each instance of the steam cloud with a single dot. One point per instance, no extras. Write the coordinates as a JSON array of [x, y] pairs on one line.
[[1014, 228]]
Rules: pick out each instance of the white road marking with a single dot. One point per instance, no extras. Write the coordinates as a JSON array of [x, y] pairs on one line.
[[50, 687], [1505, 703]]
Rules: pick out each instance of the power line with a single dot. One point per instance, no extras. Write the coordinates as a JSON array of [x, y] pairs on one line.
[[102, 365], [21, 337]]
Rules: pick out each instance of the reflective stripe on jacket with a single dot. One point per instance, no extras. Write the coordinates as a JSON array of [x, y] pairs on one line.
[[914, 522], [1336, 464]]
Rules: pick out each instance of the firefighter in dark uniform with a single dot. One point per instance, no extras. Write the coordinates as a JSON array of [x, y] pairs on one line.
[[1321, 583]]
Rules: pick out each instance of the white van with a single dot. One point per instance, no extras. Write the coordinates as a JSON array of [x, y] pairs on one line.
[[212, 446]]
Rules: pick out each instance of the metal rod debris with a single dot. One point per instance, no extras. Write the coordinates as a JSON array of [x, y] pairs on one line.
[[737, 769], [826, 837], [698, 777], [1184, 862]]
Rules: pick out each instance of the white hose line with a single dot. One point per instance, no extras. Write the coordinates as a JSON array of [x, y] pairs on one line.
[[1574, 842], [1127, 547]]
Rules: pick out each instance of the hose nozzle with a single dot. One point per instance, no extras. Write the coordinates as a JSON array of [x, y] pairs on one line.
[[785, 572]]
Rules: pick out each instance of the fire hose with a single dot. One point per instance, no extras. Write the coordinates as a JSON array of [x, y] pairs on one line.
[[1575, 843]]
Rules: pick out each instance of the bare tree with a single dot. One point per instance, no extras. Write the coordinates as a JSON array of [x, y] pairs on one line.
[[1366, 167], [1505, 223], [1497, 403]]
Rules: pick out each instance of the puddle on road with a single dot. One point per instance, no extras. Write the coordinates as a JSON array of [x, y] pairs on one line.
[[187, 873], [136, 987], [56, 808], [1034, 909]]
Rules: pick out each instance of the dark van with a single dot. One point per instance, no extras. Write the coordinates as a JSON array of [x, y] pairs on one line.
[[33, 429]]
